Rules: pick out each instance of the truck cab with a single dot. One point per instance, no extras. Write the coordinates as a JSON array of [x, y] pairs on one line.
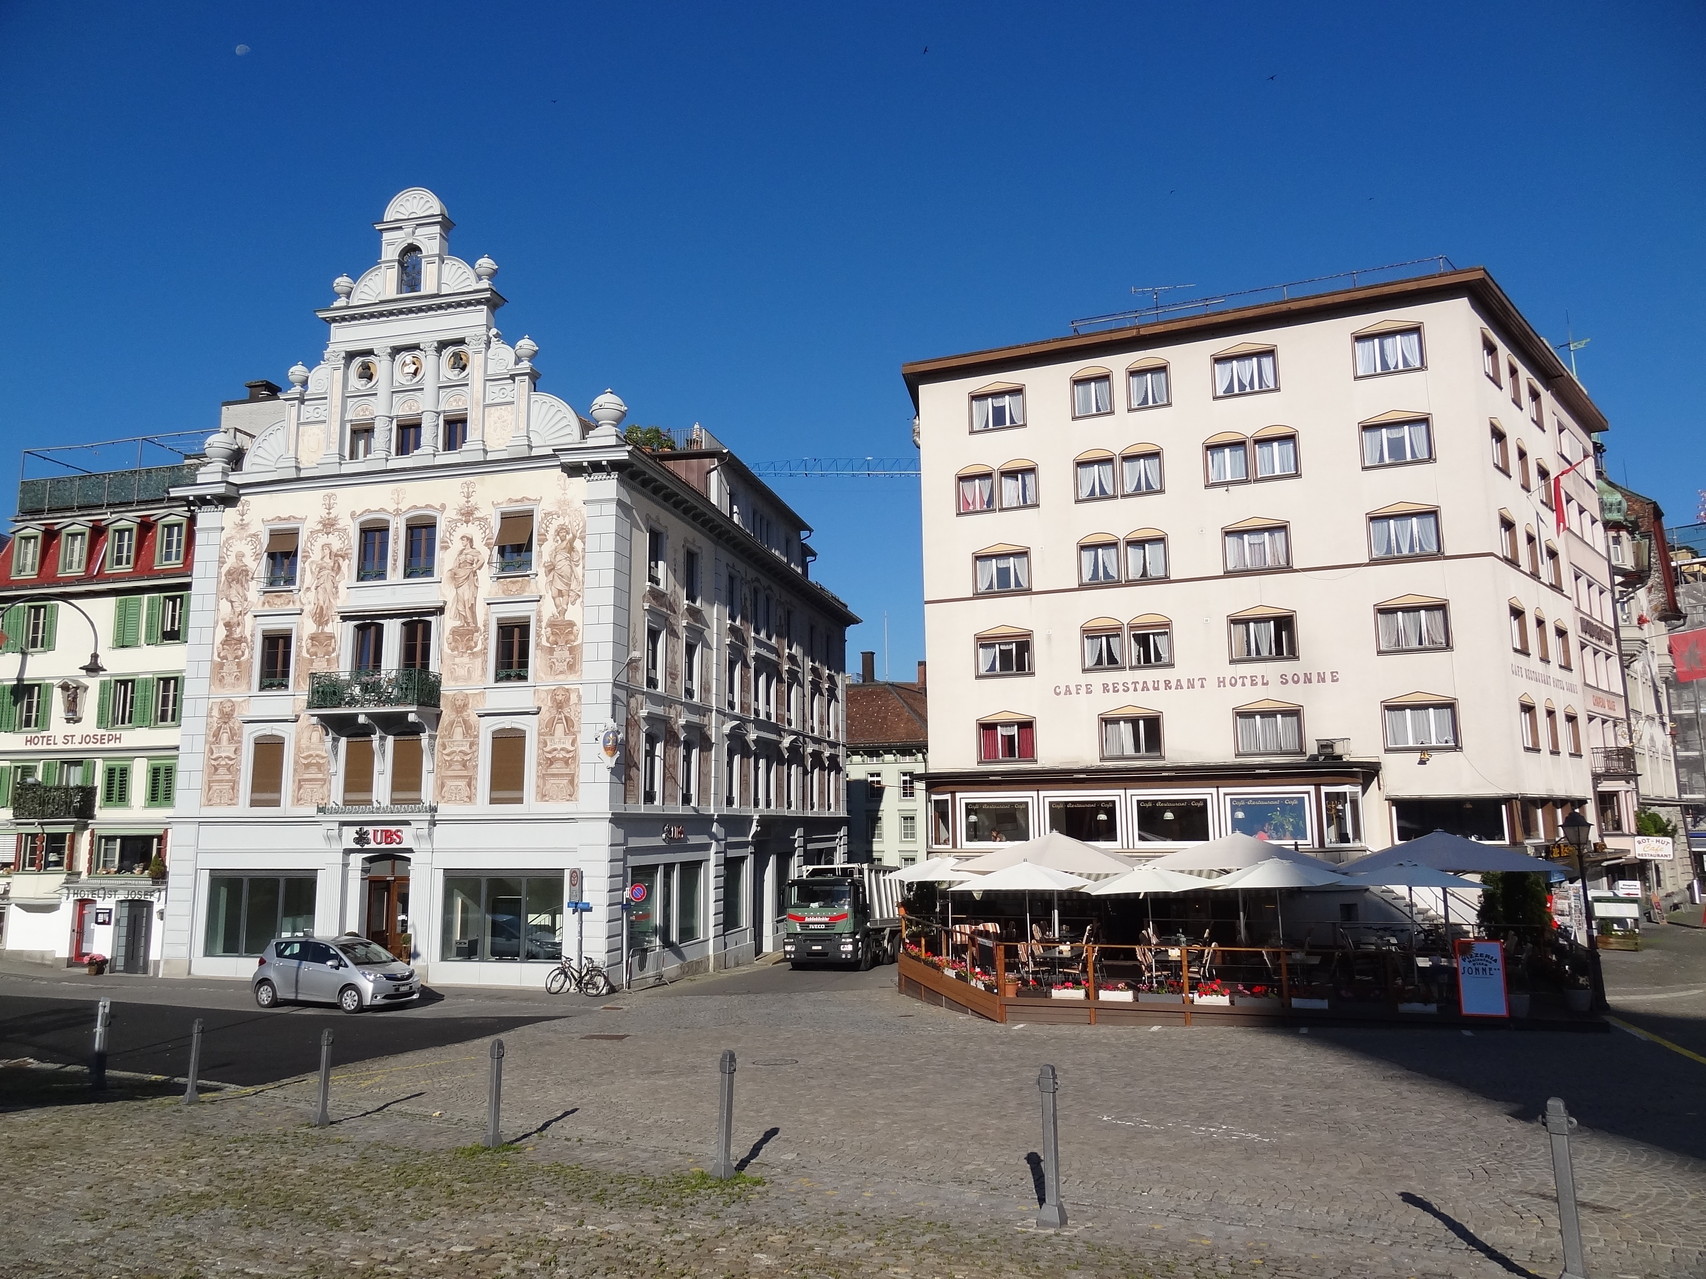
[[831, 919]]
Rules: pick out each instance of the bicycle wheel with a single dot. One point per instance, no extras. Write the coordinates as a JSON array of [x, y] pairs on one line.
[[557, 980], [595, 983]]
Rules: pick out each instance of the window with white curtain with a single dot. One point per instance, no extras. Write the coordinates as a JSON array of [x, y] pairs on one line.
[[1270, 732], [977, 493], [1147, 388], [1095, 479], [1006, 572], [1422, 627], [1228, 463], [1391, 443], [1090, 396], [1276, 456], [1254, 548], [1018, 487], [1395, 536], [1389, 352], [1151, 646], [1132, 737], [994, 411], [1146, 559], [1099, 563], [1264, 637], [1432, 726], [1004, 656], [1244, 374], [1103, 651], [1141, 473]]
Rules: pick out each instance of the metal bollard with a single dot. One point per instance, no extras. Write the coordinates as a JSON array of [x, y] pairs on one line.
[[98, 1060], [723, 1164], [324, 1118], [1558, 1125], [190, 1097], [493, 1123], [1052, 1212]]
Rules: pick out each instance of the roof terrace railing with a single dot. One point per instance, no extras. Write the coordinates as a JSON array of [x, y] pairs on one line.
[[100, 490]]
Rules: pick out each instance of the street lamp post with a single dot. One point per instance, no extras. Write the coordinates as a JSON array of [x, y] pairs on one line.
[[1579, 835], [93, 666]]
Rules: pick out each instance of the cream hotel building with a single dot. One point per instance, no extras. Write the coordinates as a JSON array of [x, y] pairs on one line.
[[1296, 569]]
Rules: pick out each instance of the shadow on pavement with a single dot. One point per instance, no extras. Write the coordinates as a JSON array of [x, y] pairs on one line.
[[770, 1134], [1468, 1236], [32, 1087]]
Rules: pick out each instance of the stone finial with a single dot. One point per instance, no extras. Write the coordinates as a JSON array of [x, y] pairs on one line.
[[485, 268], [343, 286], [298, 374], [526, 349], [608, 410]]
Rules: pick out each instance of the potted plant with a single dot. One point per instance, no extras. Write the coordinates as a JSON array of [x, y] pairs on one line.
[[1309, 995], [1067, 990], [1261, 996], [95, 964], [1163, 991], [1212, 992], [1117, 992], [157, 868]]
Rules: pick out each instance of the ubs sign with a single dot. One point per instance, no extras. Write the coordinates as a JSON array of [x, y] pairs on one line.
[[380, 837]]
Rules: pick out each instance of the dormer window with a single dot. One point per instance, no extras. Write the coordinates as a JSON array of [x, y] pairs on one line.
[[26, 555], [73, 550], [409, 271], [169, 544], [121, 547]]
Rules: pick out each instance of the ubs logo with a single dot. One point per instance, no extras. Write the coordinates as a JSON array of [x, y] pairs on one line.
[[381, 837]]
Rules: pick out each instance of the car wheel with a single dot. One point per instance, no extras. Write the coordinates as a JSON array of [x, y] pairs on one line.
[[349, 999], [266, 994]]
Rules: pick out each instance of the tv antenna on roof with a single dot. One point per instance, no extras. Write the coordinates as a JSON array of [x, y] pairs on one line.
[[1156, 290], [1571, 343]]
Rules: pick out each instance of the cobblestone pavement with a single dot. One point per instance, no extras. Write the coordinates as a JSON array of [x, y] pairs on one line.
[[873, 1118]]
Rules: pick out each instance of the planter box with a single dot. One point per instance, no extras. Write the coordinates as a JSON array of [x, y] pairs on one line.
[[1256, 1001], [1223, 1001], [1418, 1008], [1301, 1002], [1066, 994], [1158, 997], [1114, 996]]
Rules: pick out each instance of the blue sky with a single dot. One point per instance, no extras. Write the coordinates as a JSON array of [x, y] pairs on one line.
[[750, 215]]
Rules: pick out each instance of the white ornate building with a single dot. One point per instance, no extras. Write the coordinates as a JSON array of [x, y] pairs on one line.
[[465, 657]]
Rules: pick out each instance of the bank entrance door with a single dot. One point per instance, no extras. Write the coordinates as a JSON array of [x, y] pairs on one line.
[[385, 881]]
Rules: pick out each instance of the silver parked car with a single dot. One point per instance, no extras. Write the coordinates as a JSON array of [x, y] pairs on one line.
[[348, 971]]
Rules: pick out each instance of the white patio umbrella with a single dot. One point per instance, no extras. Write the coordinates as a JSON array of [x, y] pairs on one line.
[[1055, 851], [1145, 880], [934, 870], [1279, 873], [1025, 877], [1233, 852], [1447, 852], [1414, 875]]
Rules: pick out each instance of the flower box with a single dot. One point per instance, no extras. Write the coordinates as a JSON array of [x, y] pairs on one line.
[[1061, 992], [1255, 1001], [1302, 1001], [1223, 1001], [1114, 996], [1158, 997], [1418, 1008]]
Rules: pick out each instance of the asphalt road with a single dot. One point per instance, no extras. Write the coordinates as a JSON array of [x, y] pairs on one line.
[[779, 979], [239, 1046]]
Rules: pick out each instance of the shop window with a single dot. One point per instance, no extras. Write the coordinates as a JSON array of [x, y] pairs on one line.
[[997, 821], [1172, 819], [245, 912], [1094, 821], [502, 918], [1281, 818]]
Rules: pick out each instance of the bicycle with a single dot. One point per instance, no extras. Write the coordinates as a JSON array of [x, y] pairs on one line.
[[589, 979]]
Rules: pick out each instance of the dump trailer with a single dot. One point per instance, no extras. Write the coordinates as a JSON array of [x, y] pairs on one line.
[[843, 915]]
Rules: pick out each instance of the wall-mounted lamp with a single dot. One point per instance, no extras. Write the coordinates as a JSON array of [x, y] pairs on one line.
[[1424, 757]]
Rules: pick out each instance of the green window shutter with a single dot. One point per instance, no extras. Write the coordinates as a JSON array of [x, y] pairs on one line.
[[44, 708], [12, 623], [50, 772], [5, 787], [9, 709], [151, 621], [142, 705], [50, 632], [162, 783], [127, 621], [104, 705], [115, 786]]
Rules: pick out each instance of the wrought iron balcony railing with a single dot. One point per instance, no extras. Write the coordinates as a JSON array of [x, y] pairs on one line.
[[1614, 761], [34, 802], [352, 690]]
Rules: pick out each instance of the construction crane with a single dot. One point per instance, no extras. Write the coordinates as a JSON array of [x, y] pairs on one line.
[[868, 468]]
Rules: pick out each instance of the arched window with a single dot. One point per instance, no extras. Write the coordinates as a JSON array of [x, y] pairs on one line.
[[508, 778], [266, 772], [409, 271]]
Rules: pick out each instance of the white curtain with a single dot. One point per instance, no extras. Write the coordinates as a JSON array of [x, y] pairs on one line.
[[1399, 442], [1276, 457], [1102, 651], [1420, 726], [1228, 462], [1095, 479], [1148, 388], [977, 493], [1270, 732], [1146, 559], [1090, 396], [1389, 352], [1124, 737], [986, 574], [1143, 473], [1099, 563], [1406, 535], [1151, 648], [1241, 374], [1258, 548], [1412, 628], [1019, 488], [1261, 639], [980, 413]]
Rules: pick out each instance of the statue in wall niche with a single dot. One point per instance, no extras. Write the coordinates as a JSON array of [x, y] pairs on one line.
[[458, 750], [224, 747], [559, 746]]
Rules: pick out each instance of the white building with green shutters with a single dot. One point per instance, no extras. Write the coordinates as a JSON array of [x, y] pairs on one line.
[[93, 611]]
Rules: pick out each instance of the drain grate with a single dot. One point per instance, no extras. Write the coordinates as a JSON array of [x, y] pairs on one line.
[[778, 1061], [612, 1038]]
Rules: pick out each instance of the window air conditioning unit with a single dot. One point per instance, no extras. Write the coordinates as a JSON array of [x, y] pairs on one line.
[[1333, 747]]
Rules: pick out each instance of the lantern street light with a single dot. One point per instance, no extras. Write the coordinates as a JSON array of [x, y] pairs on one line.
[[1579, 835]]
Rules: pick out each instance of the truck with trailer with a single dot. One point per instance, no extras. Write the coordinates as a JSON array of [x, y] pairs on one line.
[[843, 915]]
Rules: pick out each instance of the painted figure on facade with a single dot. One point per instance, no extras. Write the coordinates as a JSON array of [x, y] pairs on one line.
[[458, 750], [559, 746], [224, 746]]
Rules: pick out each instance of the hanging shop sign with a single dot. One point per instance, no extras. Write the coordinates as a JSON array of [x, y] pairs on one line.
[[1481, 979], [1654, 848]]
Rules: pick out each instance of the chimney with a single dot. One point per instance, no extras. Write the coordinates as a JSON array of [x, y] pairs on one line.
[[868, 668], [261, 389], [921, 675]]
